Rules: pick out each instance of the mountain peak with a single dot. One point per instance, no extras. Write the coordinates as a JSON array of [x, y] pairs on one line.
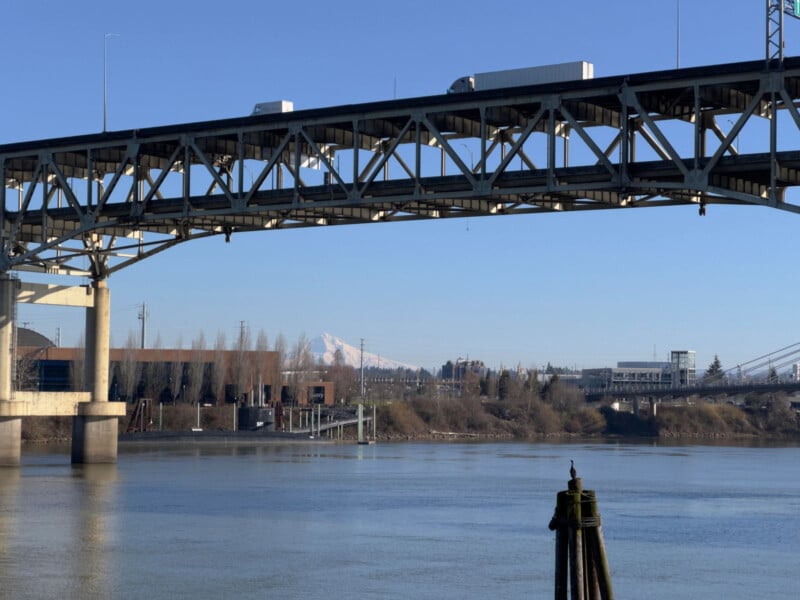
[[324, 347]]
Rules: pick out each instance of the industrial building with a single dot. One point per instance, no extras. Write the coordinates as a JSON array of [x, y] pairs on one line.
[[246, 377], [679, 371]]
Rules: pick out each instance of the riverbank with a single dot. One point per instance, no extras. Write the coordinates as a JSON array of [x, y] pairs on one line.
[[463, 419]]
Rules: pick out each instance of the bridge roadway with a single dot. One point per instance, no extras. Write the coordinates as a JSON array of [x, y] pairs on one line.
[[94, 204]]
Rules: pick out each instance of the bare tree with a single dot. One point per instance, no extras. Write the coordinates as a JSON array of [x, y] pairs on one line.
[[279, 347], [196, 370], [345, 380], [77, 372], [175, 371], [219, 369], [301, 364], [470, 385], [27, 373], [155, 373], [242, 369], [530, 389], [260, 363], [129, 369]]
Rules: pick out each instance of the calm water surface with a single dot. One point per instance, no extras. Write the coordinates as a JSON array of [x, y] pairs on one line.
[[441, 521]]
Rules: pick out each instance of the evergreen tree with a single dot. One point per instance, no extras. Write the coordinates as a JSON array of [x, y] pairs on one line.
[[772, 376], [504, 385], [714, 372]]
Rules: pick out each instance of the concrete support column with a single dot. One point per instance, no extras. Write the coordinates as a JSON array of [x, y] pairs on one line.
[[10, 424], [98, 336], [94, 429]]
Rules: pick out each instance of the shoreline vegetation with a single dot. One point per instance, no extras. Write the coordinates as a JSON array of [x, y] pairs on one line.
[[752, 417]]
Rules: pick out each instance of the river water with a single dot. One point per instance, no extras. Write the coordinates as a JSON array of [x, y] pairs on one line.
[[438, 521]]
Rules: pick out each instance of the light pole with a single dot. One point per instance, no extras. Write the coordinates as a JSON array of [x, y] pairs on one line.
[[471, 157], [735, 145], [678, 36], [105, 77]]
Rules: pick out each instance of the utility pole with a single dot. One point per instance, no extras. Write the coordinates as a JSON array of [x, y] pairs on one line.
[[362, 368], [105, 77], [143, 319], [678, 37]]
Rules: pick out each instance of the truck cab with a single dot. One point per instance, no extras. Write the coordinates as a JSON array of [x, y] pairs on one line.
[[462, 84]]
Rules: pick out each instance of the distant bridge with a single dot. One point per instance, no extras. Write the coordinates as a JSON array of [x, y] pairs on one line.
[[701, 389], [746, 377]]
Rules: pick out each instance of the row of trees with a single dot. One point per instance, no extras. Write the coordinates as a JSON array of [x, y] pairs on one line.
[[203, 372], [715, 373]]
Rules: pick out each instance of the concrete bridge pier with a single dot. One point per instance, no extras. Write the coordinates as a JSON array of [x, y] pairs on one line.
[[10, 419], [94, 428]]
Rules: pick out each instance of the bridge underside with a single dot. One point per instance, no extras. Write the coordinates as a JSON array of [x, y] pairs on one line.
[[94, 204]]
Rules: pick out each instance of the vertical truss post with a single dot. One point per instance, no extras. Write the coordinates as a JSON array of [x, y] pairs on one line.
[[240, 194], [624, 147], [774, 32], [773, 149], [551, 149], [776, 9], [482, 159], [356, 166]]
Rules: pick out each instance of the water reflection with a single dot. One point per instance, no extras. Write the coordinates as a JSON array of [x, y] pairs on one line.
[[9, 493], [90, 561], [449, 521]]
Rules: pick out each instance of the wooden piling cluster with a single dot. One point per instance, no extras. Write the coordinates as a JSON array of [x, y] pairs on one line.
[[580, 552]]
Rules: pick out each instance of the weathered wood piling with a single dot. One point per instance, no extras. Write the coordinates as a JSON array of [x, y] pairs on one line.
[[581, 563]]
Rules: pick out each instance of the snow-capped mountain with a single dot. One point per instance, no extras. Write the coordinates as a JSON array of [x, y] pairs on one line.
[[324, 346]]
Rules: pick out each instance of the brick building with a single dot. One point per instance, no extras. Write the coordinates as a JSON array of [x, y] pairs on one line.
[[173, 375]]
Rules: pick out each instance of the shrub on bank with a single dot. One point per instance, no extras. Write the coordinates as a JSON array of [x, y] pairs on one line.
[[46, 429], [400, 418], [587, 421]]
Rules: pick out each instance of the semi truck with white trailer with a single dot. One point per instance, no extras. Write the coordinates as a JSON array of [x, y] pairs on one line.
[[492, 80]]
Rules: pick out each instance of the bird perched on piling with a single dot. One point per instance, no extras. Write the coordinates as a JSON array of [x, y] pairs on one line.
[[572, 472]]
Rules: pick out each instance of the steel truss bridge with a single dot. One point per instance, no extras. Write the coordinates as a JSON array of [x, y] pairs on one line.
[[94, 204]]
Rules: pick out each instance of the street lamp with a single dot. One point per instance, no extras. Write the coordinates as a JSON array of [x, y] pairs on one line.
[[471, 157], [105, 77], [678, 36]]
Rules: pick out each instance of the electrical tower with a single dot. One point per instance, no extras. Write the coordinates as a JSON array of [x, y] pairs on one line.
[[776, 9]]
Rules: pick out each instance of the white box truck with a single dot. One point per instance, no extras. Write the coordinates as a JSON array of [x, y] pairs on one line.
[[570, 71], [270, 108]]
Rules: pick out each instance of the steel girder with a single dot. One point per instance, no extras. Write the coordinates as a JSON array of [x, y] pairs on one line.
[[95, 204]]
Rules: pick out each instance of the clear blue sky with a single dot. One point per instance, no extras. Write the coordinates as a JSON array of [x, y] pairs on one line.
[[582, 290]]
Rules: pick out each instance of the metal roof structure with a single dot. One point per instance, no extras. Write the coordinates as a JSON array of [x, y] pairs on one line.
[[91, 205]]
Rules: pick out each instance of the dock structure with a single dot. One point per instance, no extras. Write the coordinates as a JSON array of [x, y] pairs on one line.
[[581, 563]]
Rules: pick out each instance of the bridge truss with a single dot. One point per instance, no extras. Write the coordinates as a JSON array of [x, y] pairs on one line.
[[94, 204]]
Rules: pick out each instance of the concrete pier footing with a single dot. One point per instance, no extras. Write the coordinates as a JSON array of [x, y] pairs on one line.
[[94, 439], [94, 428], [10, 423], [10, 441], [95, 423]]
